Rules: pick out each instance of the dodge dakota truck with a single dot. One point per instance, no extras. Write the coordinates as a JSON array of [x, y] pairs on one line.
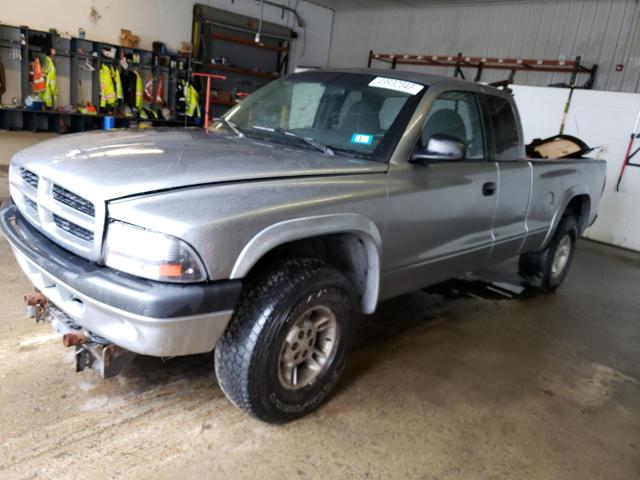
[[264, 237]]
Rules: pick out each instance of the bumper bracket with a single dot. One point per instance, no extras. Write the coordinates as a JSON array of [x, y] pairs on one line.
[[106, 360]]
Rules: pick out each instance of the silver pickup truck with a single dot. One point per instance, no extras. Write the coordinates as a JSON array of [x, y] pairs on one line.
[[264, 237]]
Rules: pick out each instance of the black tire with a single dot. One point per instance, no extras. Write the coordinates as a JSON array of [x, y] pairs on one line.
[[537, 268], [248, 356]]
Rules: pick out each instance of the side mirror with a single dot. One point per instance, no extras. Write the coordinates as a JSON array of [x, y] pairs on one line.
[[439, 148]]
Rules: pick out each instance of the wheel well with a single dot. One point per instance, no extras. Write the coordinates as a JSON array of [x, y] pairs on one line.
[[579, 207], [350, 253]]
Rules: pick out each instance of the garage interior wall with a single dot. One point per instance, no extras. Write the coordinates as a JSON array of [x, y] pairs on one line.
[[168, 21], [606, 32], [603, 120]]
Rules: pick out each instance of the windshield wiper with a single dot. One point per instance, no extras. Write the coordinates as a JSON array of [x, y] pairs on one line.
[[234, 128], [352, 153], [318, 146]]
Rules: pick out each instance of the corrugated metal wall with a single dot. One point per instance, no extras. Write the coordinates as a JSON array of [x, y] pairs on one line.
[[605, 32]]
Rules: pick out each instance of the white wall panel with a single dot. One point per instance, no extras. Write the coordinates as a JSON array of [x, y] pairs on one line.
[[605, 32]]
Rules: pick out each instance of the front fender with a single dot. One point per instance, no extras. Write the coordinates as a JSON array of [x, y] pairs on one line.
[[233, 225], [302, 228]]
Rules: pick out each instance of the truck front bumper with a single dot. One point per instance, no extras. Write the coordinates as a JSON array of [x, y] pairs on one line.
[[142, 316]]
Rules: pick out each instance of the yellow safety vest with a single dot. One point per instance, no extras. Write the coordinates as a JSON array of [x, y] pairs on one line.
[[50, 94], [107, 91], [139, 89], [115, 74], [191, 96]]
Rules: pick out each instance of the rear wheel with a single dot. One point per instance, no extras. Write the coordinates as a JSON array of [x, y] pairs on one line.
[[287, 344], [546, 270]]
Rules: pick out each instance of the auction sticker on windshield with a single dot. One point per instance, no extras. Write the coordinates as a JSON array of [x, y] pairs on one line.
[[397, 85]]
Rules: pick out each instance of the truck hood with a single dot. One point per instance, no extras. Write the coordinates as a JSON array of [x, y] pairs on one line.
[[121, 163]]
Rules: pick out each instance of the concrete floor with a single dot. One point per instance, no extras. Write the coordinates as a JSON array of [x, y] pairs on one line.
[[451, 384]]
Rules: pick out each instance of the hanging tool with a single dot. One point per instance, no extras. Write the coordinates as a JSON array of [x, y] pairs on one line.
[[572, 87], [628, 155], [566, 108], [567, 105]]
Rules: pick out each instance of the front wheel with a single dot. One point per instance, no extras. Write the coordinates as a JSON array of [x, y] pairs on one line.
[[546, 270], [287, 344]]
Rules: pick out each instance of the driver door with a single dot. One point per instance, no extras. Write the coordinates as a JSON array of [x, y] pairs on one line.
[[441, 211]]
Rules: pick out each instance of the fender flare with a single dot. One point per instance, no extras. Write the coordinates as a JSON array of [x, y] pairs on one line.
[[308, 227], [569, 195]]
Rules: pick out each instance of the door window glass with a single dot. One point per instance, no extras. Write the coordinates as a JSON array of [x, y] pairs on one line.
[[456, 114]]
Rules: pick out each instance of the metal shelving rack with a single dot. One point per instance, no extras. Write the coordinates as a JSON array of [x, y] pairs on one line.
[[225, 43], [460, 61], [281, 49]]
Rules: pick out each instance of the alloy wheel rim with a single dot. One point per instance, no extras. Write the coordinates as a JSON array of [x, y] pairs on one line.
[[561, 257], [308, 347]]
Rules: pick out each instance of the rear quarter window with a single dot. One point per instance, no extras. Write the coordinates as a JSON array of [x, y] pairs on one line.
[[504, 128]]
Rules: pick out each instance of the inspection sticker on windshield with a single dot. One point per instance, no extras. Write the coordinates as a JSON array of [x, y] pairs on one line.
[[397, 85], [362, 138]]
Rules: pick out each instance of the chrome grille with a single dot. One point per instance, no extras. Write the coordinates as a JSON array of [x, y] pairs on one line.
[[29, 177], [72, 228], [32, 204], [72, 200], [74, 222]]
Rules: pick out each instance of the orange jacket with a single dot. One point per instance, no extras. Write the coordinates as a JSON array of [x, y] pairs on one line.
[[38, 77]]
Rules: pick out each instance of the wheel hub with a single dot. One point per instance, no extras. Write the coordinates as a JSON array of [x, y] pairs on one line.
[[307, 348], [561, 257]]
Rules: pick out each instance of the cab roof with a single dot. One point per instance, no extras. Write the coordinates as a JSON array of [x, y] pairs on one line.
[[427, 79]]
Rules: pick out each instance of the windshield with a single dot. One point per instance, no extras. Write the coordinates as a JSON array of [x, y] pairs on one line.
[[354, 114]]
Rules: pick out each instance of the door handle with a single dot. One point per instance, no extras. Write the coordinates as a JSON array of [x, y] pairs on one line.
[[489, 189]]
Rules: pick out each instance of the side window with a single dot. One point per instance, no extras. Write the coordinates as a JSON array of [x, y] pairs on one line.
[[505, 130], [456, 114]]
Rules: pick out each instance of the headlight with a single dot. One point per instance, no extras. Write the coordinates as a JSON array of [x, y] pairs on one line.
[[152, 255]]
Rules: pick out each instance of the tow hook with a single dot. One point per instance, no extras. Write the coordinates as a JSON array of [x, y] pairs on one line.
[[92, 350], [75, 338], [36, 305], [106, 359]]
